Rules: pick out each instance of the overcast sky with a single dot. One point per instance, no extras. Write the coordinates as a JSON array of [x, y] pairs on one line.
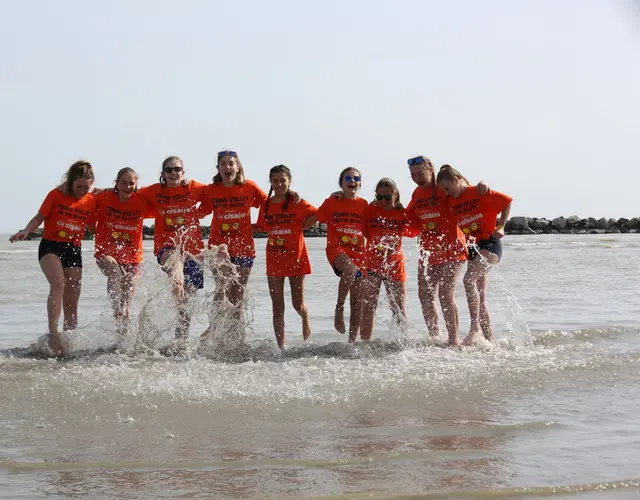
[[539, 98]]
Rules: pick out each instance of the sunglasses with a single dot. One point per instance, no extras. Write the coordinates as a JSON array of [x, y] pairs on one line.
[[233, 154], [416, 161], [168, 170], [387, 197], [352, 178]]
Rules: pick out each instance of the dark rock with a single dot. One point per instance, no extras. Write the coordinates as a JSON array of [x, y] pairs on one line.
[[621, 222], [613, 223], [519, 223], [592, 223], [602, 224], [559, 223], [633, 223], [573, 221]]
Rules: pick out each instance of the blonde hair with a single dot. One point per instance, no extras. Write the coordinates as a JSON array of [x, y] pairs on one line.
[[81, 169]]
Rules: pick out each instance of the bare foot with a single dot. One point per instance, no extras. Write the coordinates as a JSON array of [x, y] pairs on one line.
[[470, 339], [306, 328], [338, 320], [56, 345], [453, 343]]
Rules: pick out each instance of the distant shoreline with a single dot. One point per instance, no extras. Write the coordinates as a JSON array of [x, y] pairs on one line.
[[515, 226]]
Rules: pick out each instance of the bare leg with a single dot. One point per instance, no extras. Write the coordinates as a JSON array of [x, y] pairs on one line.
[[127, 290], [349, 270], [54, 272], [355, 304], [396, 294], [490, 259], [449, 273], [276, 290], [111, 270], [371, 292], [297, 299], [427, 291], [71, 297], [476, 273]]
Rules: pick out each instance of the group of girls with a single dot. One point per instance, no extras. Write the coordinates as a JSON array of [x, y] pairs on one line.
[[455, 222]]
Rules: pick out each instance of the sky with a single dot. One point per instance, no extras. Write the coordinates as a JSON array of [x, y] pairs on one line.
[[541, 99]]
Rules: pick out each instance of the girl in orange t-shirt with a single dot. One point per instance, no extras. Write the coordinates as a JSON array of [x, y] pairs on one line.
[[476, 215], [345, 217], [119, 217], [286, 250], [442, 249], [177, 237], [230, 198], [60, 253], [387, 223]]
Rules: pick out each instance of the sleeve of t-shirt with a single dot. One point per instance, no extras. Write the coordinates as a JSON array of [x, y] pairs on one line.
[[47, 204], [198, 189], [498, 201], [149, 210], [206, 205], [322, 214], [260, 225], [259, 196], [412, 227], [148, 192], [307, 209]]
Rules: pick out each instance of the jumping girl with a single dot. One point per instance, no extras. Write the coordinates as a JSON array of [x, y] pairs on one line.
[[476, 215], [60, 253], [345, 217], [286, 249]]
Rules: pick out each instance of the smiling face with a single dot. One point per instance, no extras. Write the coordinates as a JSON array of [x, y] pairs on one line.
[[351, 182], [126, 185], [228, 168], [173, 172], [386, 197], [81, 187], [421, 174], [280, 182]]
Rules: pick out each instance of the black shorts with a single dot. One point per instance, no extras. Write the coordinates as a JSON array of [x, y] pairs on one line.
[[69, 254], [491, 244]]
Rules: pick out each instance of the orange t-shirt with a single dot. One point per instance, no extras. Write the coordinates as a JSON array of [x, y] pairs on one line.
[[346, 226], [231, 223], [119, 226], [176, 216], [385, 229], [439, 235], [286, 249], [65, 217], [476, 215]]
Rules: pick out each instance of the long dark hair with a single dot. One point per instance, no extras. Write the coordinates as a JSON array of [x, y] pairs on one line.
[[79, 170], [167, 160], [278, 169]]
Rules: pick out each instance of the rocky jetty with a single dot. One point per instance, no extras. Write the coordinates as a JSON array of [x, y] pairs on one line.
[[571, 225]]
